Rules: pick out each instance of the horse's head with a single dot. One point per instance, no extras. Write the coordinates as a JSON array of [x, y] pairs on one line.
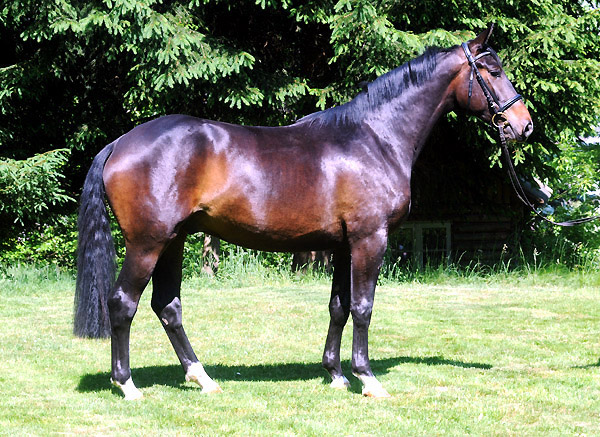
[[482, 88]]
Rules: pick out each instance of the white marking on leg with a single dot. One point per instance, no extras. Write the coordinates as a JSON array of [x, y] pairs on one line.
[[340, 383], [372, 387], [197, 374], [129, 389]]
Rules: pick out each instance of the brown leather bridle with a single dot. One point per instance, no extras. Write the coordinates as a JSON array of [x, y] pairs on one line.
[[496, 108], [499, 121]]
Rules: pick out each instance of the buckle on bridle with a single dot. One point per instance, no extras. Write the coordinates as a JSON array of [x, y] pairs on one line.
[[499, 120]]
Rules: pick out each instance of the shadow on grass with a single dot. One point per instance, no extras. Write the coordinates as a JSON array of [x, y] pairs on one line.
[[588, 366], [173, 376]]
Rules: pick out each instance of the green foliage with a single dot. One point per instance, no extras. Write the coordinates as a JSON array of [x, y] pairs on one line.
[[31, 196], [234, 260], [28, 188], [47, 243], [77, 75]]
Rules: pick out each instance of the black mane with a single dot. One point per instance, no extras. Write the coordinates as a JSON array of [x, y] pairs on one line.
[[383, 89]]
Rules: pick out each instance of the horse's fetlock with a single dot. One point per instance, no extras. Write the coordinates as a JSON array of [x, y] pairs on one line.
[[120, 376], [329, 361], [362, 370]]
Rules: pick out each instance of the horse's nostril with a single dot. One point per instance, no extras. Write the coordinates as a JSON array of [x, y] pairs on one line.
[[528, 129]]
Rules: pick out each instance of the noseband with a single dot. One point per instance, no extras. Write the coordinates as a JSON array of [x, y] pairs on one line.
[[497, 110]]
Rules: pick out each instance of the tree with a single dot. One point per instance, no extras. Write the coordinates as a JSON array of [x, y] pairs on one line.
[[79, 74], [28, 188]]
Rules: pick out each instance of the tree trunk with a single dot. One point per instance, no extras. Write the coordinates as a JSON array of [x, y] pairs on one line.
[[302, 261], [211, 253]]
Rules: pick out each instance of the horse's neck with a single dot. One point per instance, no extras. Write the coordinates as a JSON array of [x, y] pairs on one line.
[[404, 123]]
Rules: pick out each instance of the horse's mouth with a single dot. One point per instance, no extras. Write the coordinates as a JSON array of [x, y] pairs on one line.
[[513, 135]]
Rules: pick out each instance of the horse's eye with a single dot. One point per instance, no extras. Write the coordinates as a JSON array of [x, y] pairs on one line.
[[496, 73]]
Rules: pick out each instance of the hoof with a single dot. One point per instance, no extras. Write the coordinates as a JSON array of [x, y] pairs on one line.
[[340, 383], [212, 389], [134, 396], [373, 388], [129, 390], [376, 392], [197, 374]]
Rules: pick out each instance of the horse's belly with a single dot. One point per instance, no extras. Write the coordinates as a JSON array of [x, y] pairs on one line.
[[277, 232]]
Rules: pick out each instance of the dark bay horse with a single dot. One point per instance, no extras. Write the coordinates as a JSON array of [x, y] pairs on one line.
[[178, 175]]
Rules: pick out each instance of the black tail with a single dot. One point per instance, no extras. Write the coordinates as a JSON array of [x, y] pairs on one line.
[[95, 255]]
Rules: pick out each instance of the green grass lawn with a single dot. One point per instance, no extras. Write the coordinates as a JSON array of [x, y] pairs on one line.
[[500, 356]]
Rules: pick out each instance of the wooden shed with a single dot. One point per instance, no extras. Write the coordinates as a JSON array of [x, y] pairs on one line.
[[462, 210]]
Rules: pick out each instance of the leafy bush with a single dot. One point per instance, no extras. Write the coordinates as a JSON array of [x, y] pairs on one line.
[[233, 258], [28, 188], [49, 243]]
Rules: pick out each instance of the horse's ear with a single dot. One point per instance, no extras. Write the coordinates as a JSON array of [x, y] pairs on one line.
[[482, 39]]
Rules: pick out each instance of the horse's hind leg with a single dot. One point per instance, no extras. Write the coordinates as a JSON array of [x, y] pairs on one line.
[[166, 303], [122, 305], [339, 310]]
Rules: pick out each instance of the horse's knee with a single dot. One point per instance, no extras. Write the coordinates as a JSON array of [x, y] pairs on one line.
[[361, 315]]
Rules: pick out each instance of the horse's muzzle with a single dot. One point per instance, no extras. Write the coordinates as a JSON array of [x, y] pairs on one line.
[[518, 133]]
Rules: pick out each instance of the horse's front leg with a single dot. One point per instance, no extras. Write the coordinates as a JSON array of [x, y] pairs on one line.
[[367, 257]]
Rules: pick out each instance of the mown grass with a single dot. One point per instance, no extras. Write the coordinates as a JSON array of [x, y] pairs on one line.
[[500, 354]]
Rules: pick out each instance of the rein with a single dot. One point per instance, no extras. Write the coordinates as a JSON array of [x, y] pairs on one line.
[[499, 121], [520, 191]]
